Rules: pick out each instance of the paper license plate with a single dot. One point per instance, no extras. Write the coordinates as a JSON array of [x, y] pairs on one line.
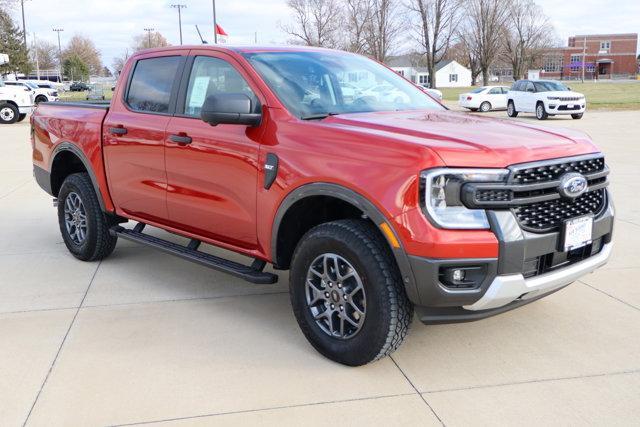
[[570, 106], [577, 232]]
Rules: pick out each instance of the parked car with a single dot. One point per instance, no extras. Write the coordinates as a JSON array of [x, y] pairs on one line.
[[433, 92], [15, 103], [374, 207], [79, 87], [385, 93], [485, 98], [544, 98], [39, 94]]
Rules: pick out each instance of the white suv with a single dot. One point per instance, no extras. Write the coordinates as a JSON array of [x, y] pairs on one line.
[[544, 98], [40, 94], [15, 103]]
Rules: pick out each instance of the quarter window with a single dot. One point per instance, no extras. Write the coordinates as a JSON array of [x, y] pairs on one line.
[[210, 76], [151, 84]]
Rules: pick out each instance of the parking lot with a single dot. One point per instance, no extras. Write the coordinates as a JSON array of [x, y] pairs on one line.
[[144, 337]]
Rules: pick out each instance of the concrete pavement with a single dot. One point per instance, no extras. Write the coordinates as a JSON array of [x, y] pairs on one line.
[[143, 337]]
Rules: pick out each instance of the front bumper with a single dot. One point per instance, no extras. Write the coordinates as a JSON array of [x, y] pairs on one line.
[[563, 107], [25, 109], [505, 286]]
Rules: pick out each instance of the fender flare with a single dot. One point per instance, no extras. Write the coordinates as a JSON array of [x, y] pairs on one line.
[[360, 202], [68, 146]]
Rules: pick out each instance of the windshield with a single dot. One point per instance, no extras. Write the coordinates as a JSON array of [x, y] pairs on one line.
[[549, 86], [317, 84], [480, 89]]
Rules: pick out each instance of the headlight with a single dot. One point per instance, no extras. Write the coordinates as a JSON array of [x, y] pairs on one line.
[[441, 199]]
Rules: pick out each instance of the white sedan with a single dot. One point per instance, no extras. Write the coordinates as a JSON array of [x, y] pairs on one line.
[[485, 98]]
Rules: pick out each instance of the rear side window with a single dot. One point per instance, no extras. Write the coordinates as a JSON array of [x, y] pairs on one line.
[[151, 84]]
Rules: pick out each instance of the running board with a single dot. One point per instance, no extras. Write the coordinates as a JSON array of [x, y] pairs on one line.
[[253, 273]]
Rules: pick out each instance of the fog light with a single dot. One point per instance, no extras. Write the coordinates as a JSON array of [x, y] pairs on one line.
[[462, 277]]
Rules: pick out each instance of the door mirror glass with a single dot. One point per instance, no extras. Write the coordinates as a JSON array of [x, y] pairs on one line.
[[229, 108]]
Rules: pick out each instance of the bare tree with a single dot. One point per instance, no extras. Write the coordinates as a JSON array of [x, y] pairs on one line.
[[148, 41], [86, 50], [357, 14], [47, 54], [528, 33], [316, 22], [384, 28], [436, 27], [118, 62], [483, 31]]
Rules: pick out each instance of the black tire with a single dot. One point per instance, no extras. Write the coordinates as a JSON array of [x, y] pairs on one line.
[[387, 313], [21, 117], [485, 107], [40, 98], [511, 109], [577, 116], [541, 112], [98, 243], [9, 114], [473, 109]]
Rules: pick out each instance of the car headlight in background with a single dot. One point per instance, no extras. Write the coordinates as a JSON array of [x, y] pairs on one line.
[[441, 198]]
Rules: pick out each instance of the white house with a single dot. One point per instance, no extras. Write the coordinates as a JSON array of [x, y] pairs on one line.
[[448, 73]]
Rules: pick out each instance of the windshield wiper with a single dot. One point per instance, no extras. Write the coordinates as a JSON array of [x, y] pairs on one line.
[[318, 116]]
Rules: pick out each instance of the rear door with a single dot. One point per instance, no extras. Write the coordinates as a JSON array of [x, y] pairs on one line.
[[529, 98], [212, 175], [134, 133], [496, 98]]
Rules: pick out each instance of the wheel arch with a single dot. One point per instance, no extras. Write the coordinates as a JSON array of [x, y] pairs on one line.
[[66, 159], [284, 238]]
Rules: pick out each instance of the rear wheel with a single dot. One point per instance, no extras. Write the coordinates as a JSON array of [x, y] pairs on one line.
[[8, 114], [347, 293], [511, 109], [84, 227], [541, 113], [577, 116], [485, 107]]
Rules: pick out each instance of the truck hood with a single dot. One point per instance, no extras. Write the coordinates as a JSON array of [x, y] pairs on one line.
[[467, 140], [564, 94]]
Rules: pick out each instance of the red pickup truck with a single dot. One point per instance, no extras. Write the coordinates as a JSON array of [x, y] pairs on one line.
[[325, 163]]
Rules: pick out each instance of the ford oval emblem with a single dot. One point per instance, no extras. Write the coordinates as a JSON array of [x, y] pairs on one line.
[[572, 185]]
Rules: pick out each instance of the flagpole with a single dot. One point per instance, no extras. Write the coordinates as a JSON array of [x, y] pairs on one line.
[[215, 25]]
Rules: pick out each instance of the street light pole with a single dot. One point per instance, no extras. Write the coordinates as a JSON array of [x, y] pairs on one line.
[[59, 30], [24, 27], [215, 24], [179, 7], [149, 30]]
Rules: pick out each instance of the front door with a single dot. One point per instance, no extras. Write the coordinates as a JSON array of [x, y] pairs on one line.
[[212, 176], [134, 134]]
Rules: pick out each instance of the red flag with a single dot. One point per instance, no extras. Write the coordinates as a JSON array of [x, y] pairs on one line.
[[220, 31]]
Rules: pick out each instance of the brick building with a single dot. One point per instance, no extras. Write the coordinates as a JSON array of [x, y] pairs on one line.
[[603, 56]]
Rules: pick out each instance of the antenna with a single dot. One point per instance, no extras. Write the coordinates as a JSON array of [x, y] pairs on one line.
[[200, 35]]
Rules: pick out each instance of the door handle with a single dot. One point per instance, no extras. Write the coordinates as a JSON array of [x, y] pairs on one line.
[[119, 130], [180, 139]]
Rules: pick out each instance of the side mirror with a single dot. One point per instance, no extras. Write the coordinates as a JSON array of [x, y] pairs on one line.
[[231, 109], [568, 87], [530, 89]]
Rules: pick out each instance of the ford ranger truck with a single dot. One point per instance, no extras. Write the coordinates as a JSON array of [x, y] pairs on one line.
[[377, 203]]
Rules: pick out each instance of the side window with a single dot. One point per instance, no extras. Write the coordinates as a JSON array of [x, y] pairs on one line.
[[210, 76], [151, 84], [495, 91], [530, 87]]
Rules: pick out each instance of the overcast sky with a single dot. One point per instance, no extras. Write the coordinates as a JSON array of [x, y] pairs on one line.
[[113, 23]]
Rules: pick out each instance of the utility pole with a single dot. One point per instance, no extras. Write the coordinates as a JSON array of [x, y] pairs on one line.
[[59, 30], [149, 30], [215, 24], [584, 56], [24, 27], [179, 7]]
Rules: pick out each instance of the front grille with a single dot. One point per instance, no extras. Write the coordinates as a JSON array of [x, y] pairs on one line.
[[549, 215], [570, 98], [532, 192], [553, 171]]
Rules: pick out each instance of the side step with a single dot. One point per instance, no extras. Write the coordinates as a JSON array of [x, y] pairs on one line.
[[253, 273]]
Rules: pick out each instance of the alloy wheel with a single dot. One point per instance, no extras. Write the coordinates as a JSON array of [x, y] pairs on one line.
[[335, 296], [75, 218]]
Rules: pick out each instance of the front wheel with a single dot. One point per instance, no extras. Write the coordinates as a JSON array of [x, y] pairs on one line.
[[40, 98], [577, 116], [511, 109], [8, 114], [541, 113], [347, 293], [84, 227]]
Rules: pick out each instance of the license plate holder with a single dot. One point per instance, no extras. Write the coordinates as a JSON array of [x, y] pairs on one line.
[[570, 106], [576, 232]]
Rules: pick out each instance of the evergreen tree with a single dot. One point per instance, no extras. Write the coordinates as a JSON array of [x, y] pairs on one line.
[[75, 69], [12, 43]]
